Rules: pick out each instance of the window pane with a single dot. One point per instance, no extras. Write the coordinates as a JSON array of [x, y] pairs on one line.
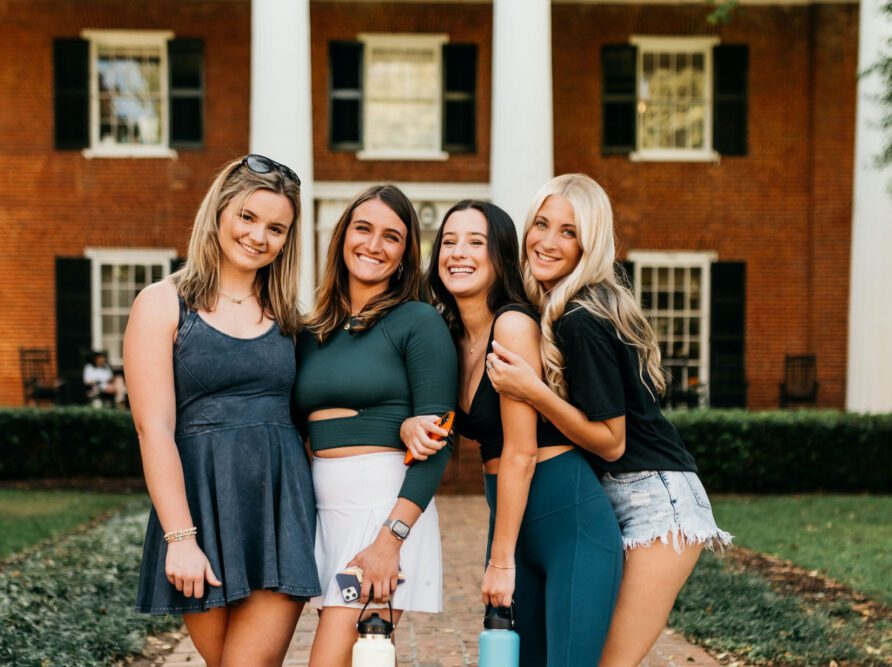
[[129, 89], [402, 93], [673, 93], [157, 272]]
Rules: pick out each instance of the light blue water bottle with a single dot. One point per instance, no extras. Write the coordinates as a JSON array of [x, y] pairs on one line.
[[499, 643]]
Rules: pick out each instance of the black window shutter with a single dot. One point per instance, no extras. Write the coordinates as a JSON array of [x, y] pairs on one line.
[[73, 314], [619, 66], [729, 113], [727, 371], [185, 60], [176, 264], [625, 273], [460, 98], [71, 93], [345, 95]]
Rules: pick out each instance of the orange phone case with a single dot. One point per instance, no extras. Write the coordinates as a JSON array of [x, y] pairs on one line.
[[446, 422]]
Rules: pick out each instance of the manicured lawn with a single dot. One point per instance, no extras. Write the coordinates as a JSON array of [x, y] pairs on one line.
[[28, 517], [844, 537]]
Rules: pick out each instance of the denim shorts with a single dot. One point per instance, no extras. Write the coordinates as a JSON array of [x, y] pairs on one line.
[[663, 505]]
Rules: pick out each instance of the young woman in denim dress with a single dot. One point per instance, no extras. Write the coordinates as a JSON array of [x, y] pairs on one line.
[[601, 388], [554, 546], [209, 355]]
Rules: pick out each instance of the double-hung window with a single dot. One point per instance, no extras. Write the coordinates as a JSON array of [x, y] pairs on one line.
[[673, 290], [674, 98], [402, 96], [128, 93], [117, 276]]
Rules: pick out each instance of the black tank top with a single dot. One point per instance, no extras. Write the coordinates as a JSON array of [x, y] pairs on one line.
[[483, 422]]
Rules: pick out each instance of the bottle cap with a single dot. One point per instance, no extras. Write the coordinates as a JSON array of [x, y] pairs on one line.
[[374, 625], [499, 618]]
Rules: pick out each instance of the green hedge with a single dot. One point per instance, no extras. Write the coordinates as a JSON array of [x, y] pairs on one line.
[[736, 450], [65, 442], [791, 451]]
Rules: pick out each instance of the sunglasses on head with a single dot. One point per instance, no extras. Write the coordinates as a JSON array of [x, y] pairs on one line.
[[260, 164]]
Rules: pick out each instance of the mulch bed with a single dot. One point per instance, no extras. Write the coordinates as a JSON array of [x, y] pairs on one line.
[[787, 578]]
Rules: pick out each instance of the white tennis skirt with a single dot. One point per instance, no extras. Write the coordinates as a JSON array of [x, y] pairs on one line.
[[354, 495]]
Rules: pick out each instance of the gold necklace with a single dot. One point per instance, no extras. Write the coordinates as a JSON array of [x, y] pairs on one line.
[[237, 301], [473, 343]]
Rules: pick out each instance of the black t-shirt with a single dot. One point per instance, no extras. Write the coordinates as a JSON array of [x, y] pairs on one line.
[[603, 380], [483, 422]]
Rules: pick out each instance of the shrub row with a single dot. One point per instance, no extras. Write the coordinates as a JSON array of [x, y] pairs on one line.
[[736, 450], [64, 442], [70, 603], [790, 451]]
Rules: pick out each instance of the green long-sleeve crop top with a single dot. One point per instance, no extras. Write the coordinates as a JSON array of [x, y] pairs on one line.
[[404, 365]]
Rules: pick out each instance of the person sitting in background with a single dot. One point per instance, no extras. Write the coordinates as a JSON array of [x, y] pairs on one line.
[[101, 381]]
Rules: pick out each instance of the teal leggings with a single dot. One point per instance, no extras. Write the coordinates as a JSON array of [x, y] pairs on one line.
[[569, 564]]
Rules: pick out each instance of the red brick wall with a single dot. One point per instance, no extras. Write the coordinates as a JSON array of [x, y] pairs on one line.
[[784, 209], [464, 23], [57, 203]]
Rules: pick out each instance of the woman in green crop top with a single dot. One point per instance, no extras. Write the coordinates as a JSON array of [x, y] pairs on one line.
[[370, 356]]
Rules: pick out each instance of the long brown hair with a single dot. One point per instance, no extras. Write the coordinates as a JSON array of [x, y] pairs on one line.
[[276, 284], [333, 303]]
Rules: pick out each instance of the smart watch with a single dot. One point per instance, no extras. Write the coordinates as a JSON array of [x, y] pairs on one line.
[[399, 529]]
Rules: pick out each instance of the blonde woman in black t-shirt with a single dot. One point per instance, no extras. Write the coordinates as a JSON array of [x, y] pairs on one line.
[[601, 388]]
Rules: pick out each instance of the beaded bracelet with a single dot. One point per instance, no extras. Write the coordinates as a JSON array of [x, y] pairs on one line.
[[180, 535], [502, 567]]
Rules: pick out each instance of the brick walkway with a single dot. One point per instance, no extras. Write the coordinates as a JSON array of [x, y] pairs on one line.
[[450, 639]]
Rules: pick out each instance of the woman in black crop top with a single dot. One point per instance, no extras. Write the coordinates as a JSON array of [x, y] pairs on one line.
[[370, 356], [550, 522], [601, 388]]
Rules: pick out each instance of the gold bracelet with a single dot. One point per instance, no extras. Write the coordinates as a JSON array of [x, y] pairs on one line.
[[180, 535], [502, 567]]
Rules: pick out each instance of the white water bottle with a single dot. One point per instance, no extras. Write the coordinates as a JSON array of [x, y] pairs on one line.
[[374, 648]]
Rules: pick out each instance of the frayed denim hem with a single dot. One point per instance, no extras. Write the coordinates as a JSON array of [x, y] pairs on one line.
[[681, 537]]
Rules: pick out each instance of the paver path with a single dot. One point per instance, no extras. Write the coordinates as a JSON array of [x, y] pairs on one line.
[[450, 639]]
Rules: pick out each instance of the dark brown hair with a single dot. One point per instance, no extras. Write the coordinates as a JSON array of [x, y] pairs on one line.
[[504, 255], [333, 304]]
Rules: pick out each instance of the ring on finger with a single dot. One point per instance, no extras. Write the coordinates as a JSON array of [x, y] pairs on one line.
[[489, 365]]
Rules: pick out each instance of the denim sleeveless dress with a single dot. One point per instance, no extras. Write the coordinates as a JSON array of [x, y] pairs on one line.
[[247, 478]]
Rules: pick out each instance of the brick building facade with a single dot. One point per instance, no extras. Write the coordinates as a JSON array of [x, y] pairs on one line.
[[746, 251]]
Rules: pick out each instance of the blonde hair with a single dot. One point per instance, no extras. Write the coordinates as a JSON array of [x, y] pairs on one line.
[[591, 285], [276, 284]]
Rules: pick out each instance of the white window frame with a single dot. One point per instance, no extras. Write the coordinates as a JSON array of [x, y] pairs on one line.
[[100, 256], [128, 38], [683, 259], [675, 45], [404, 40]]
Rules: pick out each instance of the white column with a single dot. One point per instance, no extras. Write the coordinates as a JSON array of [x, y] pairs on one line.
[[281, 119], [869, 382], [522, 151]]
